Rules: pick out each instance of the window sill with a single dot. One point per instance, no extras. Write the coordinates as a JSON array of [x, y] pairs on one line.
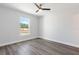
[[23, 34]]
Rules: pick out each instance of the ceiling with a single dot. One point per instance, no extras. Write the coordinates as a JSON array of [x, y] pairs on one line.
[[55, 8]]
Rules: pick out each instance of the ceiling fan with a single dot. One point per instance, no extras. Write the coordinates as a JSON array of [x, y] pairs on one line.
[[40, 7]]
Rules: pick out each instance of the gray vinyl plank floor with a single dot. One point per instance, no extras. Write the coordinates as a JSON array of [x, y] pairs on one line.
[[38, 47]]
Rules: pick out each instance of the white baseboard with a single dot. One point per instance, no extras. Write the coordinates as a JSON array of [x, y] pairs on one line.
[[9, 43], [66, 43]]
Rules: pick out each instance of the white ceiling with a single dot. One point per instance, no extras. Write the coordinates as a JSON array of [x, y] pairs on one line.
[[55, 7]]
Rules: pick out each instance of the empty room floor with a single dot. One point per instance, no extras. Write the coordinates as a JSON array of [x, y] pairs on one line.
[[38, 47]]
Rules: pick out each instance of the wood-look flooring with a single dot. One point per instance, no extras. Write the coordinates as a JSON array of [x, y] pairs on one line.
[[38, 47]]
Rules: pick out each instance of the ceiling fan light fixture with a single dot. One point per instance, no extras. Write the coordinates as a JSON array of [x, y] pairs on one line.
[[40, 10]]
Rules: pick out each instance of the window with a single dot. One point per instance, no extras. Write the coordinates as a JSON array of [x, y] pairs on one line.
[[24, 26]]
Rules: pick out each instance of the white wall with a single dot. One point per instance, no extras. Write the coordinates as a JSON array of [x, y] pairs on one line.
[[60, 28], [9, 26]]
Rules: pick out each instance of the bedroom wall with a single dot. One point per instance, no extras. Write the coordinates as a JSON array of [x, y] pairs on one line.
[[61, 27], [9, 26]]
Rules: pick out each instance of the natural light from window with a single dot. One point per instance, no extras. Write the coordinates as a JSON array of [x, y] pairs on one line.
[[24, 26]]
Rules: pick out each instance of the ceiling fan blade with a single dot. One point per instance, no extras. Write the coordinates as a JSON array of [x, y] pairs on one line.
[[37, 5], [45, 8], [37, 11]]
